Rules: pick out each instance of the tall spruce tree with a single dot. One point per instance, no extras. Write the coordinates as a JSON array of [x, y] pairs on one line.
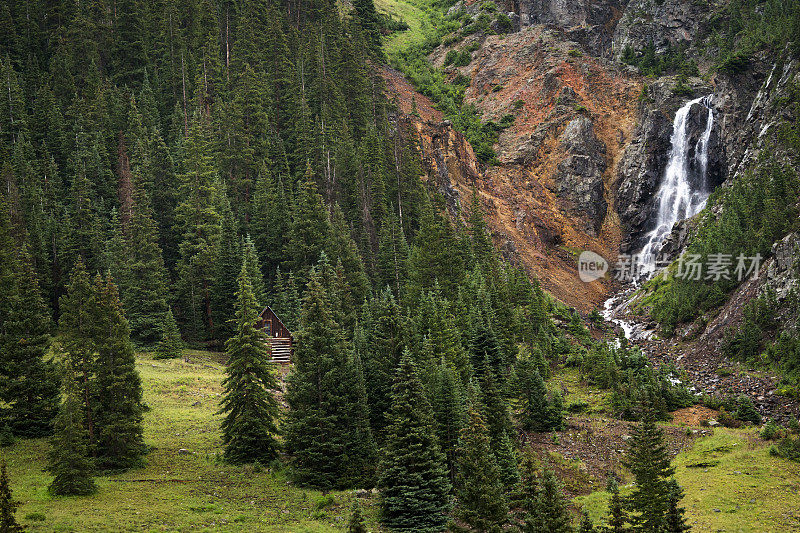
[[541, 411], [144, 286], [649, 463], [77, 328], [68, 460], [170, 345], [550, 513], [199, 221], [413, 480], [482, 503], [327, 435], [29, 381], [249, 404], [8, 524], [449, 413], [498, 421], [118, 388]]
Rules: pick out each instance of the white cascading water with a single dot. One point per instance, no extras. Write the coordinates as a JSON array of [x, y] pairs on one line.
[[681, 194]]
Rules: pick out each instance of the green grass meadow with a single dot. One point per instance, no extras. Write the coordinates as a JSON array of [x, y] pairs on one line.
[[176, 491]]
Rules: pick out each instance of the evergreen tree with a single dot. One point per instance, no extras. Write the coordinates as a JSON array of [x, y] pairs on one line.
[[327, 433], [674, 521], [356, 523], [550, 513], [250, 407], [77, 327], [69, 461], [199, 221], [498, 422], [251, 263], [170, 345], [144, 288], [449, 413], [381, 321], [310, 230], [226, 271], [617, 517], [30, 385], [270, 225], [413, 481], [8, 524], [117, 388], [482, 504], [540, 411], [649, 463]]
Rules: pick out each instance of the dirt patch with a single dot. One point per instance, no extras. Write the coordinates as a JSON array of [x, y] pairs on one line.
[[590, 450], [693, 416]]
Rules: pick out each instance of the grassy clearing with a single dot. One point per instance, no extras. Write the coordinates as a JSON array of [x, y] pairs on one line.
[[732, 484], [597, 400], [411, 14], [177, 491]]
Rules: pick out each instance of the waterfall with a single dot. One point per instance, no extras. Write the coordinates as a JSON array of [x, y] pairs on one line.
[[682, 193]]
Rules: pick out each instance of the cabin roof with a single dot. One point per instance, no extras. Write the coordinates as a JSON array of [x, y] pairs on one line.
[[268, 309]]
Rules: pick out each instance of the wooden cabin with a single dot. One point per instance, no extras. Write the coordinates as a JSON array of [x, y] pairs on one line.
[[280, 338]]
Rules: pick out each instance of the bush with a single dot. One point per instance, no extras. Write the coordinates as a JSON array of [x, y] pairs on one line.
[[788, 448], [772, 431], [6, 436], [746, 411]]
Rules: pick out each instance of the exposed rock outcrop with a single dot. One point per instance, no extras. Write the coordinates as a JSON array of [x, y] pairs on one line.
[[579, 177], [589, 22], [663, 23], [639, 174]]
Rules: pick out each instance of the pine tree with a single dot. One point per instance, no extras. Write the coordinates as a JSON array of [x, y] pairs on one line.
[[540, 411], [69, 461], [30, 384], [649, 463], [199, 221], [249, 404], [327, 432], [551, 514], [383, 328], [170, 345], [674, 521], [144, 289], [356, 523], [449, 413], [77, 327], [310, 231], [8, 524], [226, 271], [251, 263], [482, 504], [117, 387], [498, 422], [270, 224], [413, 480], [617, 517]]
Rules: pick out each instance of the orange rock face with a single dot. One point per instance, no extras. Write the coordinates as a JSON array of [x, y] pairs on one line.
[[535, 216]]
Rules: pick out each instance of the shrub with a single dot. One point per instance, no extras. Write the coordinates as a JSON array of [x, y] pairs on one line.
[[788, 448], [746, 411], [771, 431]]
